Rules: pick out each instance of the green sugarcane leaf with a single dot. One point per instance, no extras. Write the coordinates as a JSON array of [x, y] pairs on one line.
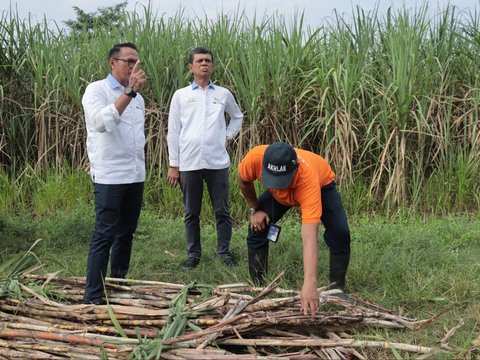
[[115, 321], [194, 327]]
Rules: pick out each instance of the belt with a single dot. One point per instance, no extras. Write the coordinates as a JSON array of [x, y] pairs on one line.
[[328, 187]]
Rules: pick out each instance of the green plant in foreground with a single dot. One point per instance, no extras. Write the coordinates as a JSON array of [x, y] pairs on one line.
[[11, 271], [175, 325]]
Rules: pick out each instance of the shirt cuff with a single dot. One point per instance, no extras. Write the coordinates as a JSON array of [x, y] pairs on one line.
[[231, 134], [111, 118]]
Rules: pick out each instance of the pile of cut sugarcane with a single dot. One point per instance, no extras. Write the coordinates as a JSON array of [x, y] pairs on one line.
[[148, 320]]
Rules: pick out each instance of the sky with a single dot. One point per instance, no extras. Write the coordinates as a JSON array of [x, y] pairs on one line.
[[315, 11]]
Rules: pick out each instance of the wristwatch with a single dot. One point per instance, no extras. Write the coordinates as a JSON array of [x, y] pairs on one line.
[[129, 92], [253, 211]]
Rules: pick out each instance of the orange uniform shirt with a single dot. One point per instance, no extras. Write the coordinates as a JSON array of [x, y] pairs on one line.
[[312, 174]]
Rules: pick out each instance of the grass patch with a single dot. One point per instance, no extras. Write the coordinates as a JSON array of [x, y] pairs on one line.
[[416, 267]]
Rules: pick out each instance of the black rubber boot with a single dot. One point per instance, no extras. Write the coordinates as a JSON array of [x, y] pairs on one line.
[[258, 264], [338, 270]]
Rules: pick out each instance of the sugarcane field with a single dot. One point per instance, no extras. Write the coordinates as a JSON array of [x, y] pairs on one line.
[[204, 180]]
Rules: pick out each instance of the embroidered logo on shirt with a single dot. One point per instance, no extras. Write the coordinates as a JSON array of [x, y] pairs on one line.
[[217, 101], [192, 100]]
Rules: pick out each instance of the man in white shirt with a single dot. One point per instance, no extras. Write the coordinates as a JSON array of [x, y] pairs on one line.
[[115, 119], [197, 138]]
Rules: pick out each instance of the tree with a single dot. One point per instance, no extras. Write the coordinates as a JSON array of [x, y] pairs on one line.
[[104, 17]]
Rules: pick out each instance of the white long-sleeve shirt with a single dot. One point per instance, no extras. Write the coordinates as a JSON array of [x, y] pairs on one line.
[[197, 128], [115, 144]]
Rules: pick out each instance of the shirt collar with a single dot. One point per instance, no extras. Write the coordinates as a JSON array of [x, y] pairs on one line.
[[113, 82], [196, 86]]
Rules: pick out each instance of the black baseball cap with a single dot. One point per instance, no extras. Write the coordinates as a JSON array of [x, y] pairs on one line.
[[279, 164]]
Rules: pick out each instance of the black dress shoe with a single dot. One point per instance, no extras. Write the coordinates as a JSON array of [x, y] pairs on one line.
[[228, 260], [190, 263]]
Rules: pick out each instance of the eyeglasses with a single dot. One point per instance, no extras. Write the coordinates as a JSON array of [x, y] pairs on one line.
[[130, 62]]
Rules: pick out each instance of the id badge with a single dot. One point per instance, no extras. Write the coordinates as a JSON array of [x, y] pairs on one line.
[[273, 232]]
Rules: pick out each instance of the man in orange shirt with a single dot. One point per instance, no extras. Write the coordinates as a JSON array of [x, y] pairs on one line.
[[295, 177]]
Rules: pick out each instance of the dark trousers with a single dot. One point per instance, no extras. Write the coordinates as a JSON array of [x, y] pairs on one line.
[[191, 183], [117, 209], [334, 219]]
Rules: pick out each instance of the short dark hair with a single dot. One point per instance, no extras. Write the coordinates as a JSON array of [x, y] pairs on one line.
[[199, 50], [117, 47]]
